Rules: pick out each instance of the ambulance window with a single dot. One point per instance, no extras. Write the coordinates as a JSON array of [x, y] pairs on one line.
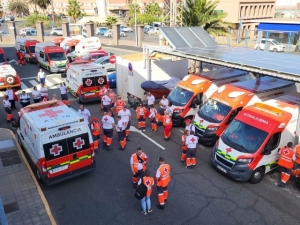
[[55, 149], [72, 49], [78, 143], [233, 114], [273, 142], [198, 99], [42, 54]]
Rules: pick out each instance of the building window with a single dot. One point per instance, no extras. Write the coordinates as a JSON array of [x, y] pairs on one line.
[[250, 10], [254, 11], [246, 12], [241, 11]]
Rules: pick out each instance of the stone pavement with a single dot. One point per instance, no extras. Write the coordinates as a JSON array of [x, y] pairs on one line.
[[23, 201]]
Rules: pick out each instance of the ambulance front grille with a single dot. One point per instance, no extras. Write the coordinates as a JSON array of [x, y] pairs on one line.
[[224, 161]]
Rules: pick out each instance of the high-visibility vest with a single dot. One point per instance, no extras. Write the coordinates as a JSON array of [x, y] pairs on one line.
[[297, 148], [119, 105], [102, 91], [167, 120], [141, 112], [148, 182], [96, 128], [286, 158], [164, 178], [183, 138], [136, 161]]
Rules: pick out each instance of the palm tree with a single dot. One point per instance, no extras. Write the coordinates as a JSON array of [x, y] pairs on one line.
[[111, 20], [153, 9], [132, 9], [43, 4], [203, 13], [74, 9], [34, 2], [19, 7]]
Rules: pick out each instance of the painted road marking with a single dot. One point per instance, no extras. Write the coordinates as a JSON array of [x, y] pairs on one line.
[[24, 88], [132, 128], [27, 78], [50, 85], [35, 84], [181, 131], [57, 80]]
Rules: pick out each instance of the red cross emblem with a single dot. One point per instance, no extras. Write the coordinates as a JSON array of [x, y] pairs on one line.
[[10, 79], [201, 121], [193, 139], [50, 113], [56, 150], [148, 182], [285, 151], [101, 80], [166, 169], [88, 82], [78, 143], [83, 47], [228, 150], [105, 119]]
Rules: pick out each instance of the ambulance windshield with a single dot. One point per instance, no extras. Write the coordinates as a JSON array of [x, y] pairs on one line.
[[57, 56], [2, 58], [180, 96], [243, 137], [32, 49], [214, 111]]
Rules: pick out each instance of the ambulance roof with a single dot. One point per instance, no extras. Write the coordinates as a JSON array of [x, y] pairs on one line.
[[220, 74], [45, 44], [266, 84], [89, 40], [53, 116], [87, 66], [22, 39]]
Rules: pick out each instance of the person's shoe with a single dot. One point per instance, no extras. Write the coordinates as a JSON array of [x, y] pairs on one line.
[[166, 200], [166, 139], [149, 211], [108, 148], [188, 167], [144, 213], [121, 148], [281, 185], [161, 207], [144, 130]]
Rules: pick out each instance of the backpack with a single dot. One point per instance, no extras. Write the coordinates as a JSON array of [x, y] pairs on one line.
[[140, 191]]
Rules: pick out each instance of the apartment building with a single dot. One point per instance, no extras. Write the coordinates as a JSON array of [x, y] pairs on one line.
[[245, 12]]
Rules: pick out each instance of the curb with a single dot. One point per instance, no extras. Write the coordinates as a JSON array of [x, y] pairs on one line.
[[48, 210]]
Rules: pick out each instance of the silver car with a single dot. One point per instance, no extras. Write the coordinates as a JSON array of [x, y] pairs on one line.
[[105, 63]]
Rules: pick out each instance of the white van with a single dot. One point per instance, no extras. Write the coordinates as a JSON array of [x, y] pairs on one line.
[[57, 140], [74, 48], [275, 46]]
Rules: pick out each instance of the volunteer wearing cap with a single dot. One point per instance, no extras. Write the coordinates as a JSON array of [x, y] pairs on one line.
[[106, 102], [138, 162], [108, 124], [126, 114], [189, 126], [96, 131], [121, 129]]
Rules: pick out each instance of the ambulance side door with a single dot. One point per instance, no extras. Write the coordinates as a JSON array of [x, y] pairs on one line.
[[57, 157], [79, 150]]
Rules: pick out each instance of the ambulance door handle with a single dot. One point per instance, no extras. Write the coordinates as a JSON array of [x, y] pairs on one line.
[[74, 156]]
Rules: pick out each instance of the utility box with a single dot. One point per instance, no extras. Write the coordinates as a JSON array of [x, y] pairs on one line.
[[134, 69]]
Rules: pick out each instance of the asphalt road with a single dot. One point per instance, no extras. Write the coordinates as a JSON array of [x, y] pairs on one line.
[[198, 196]]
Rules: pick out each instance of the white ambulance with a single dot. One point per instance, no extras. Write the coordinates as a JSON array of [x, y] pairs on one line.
[[75, 48], [9, 77], [51, 57], [84, 80], [249, 146], [27, 47], [66, 39], [58, 141]]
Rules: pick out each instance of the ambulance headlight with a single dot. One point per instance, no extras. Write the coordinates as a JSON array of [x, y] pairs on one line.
[[246, 160], [178, 110]]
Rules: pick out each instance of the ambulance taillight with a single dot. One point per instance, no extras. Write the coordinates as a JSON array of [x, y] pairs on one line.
[[92, 151], [43, 129], [81, 120], [43, 164]]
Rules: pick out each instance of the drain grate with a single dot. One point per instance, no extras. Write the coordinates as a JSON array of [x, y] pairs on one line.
[[11, 207], [10, 158]]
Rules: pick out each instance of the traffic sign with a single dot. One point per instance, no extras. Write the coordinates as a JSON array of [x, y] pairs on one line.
[[112, 59]]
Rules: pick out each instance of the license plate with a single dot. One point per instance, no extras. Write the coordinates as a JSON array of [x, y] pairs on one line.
[[89, 94], [58, 169], [222, 169]]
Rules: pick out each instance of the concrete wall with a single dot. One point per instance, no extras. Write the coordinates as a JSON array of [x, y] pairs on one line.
[[161, 69]]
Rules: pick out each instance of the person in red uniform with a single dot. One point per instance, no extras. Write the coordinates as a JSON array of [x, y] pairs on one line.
[[162, 180], [286, 163], [102, 92], [119, 104], [167, 126], [296, 169], [96, 131], [112, 96], [183, 147], [141, 116], [138, 162], [152, 118], [22, 58]]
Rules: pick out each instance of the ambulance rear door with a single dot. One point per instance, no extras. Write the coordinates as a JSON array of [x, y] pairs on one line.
[[91, 81]]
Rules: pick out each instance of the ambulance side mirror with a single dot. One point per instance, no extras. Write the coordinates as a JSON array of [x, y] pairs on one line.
[[267, 150]]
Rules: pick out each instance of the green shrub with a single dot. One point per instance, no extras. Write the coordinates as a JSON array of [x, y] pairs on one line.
[[32, 19]]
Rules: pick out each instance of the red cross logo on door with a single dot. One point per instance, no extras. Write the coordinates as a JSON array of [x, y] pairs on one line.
[[101, 80], [51, 113], [56, 150], [78, 143], [88, 82], [228, 150]]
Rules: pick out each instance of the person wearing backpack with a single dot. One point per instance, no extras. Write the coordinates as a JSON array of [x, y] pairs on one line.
[[146, 201]]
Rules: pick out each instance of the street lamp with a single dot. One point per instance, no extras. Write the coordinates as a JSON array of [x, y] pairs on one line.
[[136, 37], [53, 11]]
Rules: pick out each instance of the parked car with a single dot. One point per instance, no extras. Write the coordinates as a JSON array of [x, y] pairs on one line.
[[31, 32], [100, 30], [24, 30], [56, 31], [274, 45], [126, 29], [92, 55], [105, 63], [153, 30], [109, 33], [112, 79], [9, 18], [3, 33]]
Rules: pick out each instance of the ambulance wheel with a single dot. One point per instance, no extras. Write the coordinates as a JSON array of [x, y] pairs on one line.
[[257, 175], [38, 175], [78, 99]]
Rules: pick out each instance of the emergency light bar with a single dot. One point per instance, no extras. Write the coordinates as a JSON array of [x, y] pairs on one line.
[[270, 109]]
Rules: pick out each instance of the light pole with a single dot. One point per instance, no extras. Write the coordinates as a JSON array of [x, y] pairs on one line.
[[136, 37], [53, 17]]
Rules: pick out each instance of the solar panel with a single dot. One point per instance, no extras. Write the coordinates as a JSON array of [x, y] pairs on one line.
[[222, 73]]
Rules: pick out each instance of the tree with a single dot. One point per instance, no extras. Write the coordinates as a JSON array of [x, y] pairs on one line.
[[74, 9], [203, 13], [34, 2], [143, 19], [131, 9], [43, 4], [19, 7], [111, 20], [153, 9]]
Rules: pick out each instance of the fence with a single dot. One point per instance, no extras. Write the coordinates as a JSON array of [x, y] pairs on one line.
[[261, 40]]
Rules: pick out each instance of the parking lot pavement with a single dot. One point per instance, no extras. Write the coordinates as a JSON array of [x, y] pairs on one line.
[[22, 199]]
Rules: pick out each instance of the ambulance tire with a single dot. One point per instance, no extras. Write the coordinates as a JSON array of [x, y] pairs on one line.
[[257, 175], [7, 80], [38, 175]]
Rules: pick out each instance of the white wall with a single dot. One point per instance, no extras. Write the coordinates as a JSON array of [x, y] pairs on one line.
[[161, 69]]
